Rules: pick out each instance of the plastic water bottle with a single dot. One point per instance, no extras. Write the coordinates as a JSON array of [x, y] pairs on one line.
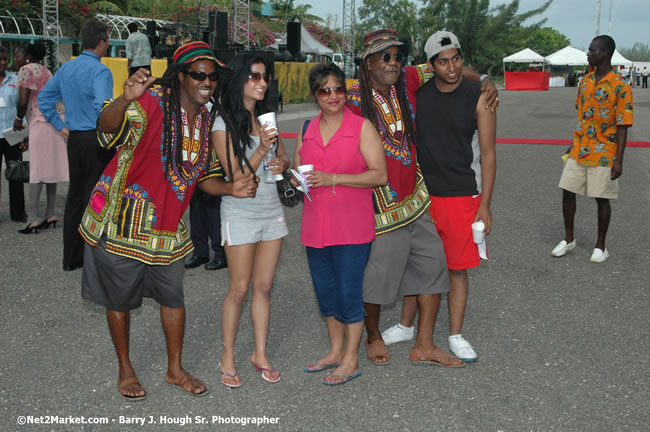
[[268, 176]]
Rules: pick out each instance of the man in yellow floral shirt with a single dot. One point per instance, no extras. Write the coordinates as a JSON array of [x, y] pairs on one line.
[[595, 161]]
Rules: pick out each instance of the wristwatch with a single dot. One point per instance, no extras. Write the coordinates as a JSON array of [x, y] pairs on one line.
[[483, 78]]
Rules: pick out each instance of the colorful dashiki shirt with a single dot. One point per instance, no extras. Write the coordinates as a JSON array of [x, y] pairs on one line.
[[138, 203], [405, 197], [601, 108]]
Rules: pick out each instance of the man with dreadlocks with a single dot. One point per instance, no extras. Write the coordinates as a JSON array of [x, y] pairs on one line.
[[407, 258], [133, 219]]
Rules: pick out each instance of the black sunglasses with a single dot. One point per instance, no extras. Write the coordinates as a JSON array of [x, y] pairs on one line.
[[397, 56], [326, 91], [201, 76], [256, 76]]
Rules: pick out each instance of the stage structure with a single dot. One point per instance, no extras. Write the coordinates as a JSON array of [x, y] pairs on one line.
[[347, 31], [241, 22], [51, 31]]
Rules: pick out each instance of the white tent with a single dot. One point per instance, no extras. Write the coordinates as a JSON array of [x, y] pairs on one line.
[[619, 60], [567, 56], [524, 56], [308, 44]]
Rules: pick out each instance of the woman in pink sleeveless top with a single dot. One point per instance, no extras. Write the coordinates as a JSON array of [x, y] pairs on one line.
[[338, 223]]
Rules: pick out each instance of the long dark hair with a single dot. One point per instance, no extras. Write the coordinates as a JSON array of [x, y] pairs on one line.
[[367, 105], [171, 106], [233, 103]]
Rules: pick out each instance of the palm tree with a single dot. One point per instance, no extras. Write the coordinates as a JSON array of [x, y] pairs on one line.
[[287, 11]]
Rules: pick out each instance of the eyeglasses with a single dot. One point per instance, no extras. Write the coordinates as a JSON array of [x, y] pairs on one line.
[[201, 76], [397, 56], [256, 76], [326, 91]]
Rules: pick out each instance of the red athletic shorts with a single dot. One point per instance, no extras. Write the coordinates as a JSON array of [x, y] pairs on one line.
[[454, 217]]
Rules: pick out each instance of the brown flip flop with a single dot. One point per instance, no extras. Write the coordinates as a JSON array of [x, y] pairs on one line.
[[436, 357], [377, 349], [127, 382], [184, 380]]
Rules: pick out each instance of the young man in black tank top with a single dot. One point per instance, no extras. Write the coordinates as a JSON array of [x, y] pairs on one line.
[[456, 136]]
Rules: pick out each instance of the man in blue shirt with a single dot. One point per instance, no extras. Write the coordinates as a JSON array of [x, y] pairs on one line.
[[83, 84], [8, 102]]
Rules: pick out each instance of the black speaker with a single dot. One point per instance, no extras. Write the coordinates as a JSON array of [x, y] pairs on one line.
[[293, 37], [300, 57], [225, 54], [274, 96], [165, 51], [212, 21], [221, 30]]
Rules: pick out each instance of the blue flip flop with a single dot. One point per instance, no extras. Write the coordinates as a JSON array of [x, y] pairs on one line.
[[322, 366], [347, 379]]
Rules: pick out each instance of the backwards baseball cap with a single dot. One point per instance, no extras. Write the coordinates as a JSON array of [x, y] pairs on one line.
[[378, 41], [195, 51], [440, 41]]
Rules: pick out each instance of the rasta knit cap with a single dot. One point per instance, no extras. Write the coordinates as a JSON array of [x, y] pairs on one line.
[[195, 51], [378, 41]]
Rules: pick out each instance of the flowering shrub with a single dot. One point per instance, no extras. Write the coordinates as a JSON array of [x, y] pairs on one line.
[[324, 35], [260, 35]]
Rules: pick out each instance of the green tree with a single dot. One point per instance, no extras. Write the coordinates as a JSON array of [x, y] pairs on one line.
[[544, 40], [486, 35], [399, 15], [287, 11], [638, 52]]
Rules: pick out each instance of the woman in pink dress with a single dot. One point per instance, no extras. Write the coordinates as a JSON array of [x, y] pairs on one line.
[[48, 157]]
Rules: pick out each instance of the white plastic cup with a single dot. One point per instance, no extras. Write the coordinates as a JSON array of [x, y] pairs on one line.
[[304, 168], [268, 121], [477, 232]]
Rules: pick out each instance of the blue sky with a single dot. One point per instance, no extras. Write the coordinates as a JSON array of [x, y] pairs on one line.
[[574, 18]]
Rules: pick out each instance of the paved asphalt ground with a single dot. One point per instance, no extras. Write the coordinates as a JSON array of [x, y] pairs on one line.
[[563, 343]]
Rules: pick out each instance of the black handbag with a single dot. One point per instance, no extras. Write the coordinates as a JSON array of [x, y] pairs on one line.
[[289, 195], [17, 171]]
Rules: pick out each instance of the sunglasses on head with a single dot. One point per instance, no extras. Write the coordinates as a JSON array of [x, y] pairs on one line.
[[326, 91], [201, 76], [397, 56], [256, 76]]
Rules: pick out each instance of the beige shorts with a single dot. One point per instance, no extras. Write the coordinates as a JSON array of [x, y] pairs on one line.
[[591, 181]]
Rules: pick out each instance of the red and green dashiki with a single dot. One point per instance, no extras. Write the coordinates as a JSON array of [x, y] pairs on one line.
[[405, 197], [136, 204]]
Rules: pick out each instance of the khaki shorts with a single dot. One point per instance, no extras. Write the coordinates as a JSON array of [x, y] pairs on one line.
[[594, 182], [408, 261]]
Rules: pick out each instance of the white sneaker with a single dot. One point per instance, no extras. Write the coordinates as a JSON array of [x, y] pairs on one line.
[[462, 349], [599, 256], [398, 333], [563, 247]]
